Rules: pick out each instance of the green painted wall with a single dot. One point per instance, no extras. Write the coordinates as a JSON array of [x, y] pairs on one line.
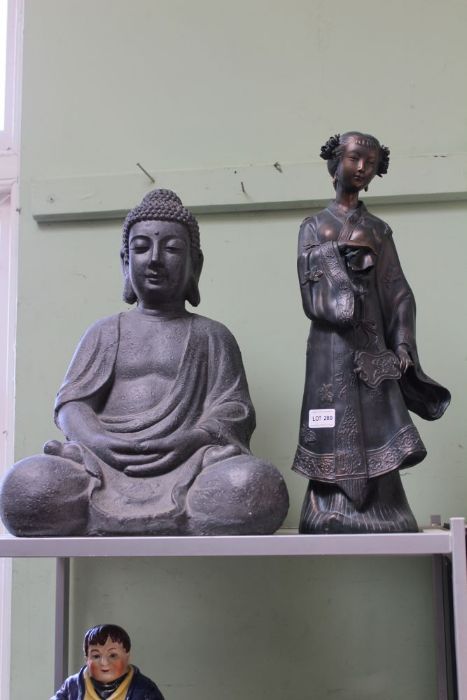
[[182, 85]]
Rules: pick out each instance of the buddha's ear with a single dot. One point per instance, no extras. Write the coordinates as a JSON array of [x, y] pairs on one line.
[[122, 258], [192, 293], [129, 296], [198, 266]]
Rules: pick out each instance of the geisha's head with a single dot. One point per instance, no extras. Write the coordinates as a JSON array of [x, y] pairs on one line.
[[354, 159]]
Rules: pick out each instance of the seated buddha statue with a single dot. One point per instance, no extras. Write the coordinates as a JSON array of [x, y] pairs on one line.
[[155, 410]]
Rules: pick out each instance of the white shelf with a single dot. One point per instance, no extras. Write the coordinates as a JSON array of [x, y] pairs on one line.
[[435, 542], [285, 543]]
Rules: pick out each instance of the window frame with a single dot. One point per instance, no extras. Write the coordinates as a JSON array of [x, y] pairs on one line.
[[9, 222], [9, 137]]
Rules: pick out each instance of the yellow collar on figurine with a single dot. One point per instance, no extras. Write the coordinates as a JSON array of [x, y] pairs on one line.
[[120, 693]]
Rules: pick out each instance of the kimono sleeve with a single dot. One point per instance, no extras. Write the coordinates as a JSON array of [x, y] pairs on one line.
[[327, 292], [396, 298], [422, 394]]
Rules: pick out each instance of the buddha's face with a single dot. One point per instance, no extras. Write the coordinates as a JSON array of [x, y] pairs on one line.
[[107, 662], [357, 166], [160, 264]]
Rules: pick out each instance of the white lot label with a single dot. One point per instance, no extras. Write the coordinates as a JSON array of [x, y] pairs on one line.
[[324, 418]]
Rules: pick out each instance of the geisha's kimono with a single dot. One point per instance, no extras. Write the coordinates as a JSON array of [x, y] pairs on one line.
[[355, 423]]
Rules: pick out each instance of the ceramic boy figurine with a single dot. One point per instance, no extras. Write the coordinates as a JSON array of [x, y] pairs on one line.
[[108, 674]]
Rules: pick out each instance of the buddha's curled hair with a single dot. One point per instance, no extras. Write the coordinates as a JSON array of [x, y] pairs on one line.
[[334, 146], [162, 205]]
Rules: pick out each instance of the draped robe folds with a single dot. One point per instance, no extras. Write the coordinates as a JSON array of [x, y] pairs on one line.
[[210, 392], [361, 311]]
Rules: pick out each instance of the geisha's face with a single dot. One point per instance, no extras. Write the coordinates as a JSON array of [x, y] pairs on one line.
[[358, 165]]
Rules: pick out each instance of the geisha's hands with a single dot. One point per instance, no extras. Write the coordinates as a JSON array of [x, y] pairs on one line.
[[403, 354], [347, 247]]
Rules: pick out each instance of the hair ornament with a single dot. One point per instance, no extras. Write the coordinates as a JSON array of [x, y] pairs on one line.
[[328, 151], [384, 160]]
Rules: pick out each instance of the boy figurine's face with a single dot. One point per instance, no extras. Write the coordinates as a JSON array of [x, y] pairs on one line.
[[107, 662]]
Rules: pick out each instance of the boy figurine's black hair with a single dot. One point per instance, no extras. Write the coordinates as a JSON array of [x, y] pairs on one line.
[[100, 633]]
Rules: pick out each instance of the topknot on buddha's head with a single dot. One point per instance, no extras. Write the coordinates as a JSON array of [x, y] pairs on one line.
[[162, 205]]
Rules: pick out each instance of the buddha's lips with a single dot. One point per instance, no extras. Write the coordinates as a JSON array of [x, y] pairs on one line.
[[155, 278]]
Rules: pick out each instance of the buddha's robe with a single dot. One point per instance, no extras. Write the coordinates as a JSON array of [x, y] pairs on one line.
[[210, 392], [361, 309]]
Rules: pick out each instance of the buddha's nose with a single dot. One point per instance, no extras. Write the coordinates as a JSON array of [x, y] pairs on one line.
[[156, 253]]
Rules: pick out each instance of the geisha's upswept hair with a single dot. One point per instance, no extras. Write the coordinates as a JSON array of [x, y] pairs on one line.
[[334, 147]]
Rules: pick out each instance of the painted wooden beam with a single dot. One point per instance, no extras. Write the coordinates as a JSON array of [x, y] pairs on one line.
[[433, 178]]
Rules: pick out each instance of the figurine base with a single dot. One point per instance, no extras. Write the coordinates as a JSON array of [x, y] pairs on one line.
[[327, 510]]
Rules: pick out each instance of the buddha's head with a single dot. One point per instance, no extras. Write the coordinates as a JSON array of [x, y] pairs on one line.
[[107, 652], [163, 235], [356, 157]]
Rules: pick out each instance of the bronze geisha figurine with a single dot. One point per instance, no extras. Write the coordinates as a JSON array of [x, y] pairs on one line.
[[363, 374]]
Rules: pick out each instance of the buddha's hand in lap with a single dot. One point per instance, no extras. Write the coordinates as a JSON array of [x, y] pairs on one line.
[[67, 450], [169, 453], [118, 452]]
